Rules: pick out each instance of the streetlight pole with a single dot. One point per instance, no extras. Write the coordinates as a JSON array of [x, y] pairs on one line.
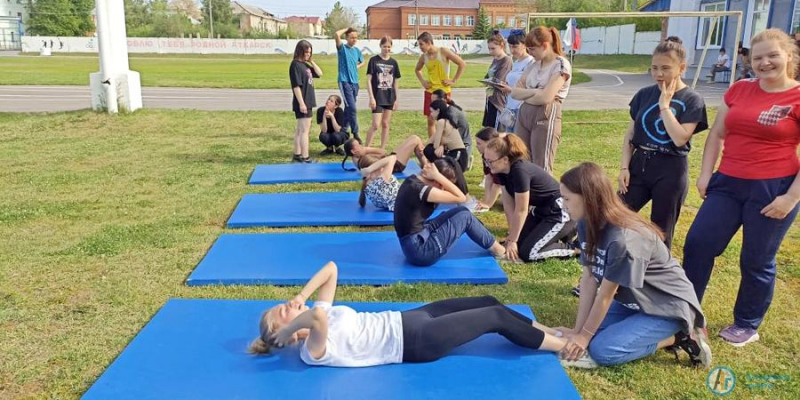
[[211, 16], [416, 19]]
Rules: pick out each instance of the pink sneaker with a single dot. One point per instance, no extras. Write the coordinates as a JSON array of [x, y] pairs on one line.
[[737, 336]]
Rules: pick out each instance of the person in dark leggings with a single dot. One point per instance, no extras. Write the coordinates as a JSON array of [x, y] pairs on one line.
[[664, 117], [339, 336], [425, 242], [459, 116], [538, 225], [446, 141]]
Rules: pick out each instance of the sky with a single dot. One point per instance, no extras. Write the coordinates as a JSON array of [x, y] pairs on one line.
[[313, 8]]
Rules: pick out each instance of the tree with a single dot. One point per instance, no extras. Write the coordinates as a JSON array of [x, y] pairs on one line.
[[186, 7], [642, 24], [60, 17], [340, 18], [483, 28], [221, 9]]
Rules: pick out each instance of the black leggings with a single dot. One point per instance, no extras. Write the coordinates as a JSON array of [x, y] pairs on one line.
[[460, 155], [333, 139], [430, 332]]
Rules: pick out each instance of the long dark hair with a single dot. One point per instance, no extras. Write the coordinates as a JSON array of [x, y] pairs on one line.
[[364, 162], [444, 112], [348, 152], [602, 205], [487, 133], [300, 49], [440, 93], [451, 169]]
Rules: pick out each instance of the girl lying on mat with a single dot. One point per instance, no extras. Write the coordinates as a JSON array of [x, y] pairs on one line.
[[379, 185], [424, 242], [341, 337]]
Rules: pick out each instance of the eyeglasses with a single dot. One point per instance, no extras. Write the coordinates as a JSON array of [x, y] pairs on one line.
[[491, 162]]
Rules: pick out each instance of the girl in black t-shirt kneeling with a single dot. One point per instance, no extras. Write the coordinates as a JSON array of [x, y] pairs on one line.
[[425, 242], [538, 225]]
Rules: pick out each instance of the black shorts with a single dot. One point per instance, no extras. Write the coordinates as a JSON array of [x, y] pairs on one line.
[[299, 115], [381, 108]]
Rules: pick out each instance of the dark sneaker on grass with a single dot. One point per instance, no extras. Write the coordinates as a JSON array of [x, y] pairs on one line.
[[326, 152], [297, 159], [696, 347], [576, 291], [339, 151], [737, 336], [309, 160]]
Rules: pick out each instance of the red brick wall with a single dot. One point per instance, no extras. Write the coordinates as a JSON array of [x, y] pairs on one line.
[[382, 22]]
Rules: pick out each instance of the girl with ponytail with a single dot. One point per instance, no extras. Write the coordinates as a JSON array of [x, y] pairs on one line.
[[538, 225], [424, 242], [542, 88]]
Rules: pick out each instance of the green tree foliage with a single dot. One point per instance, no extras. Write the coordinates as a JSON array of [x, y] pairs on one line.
[[642, 24], [60, 17], [339, 18], [155, 18], [483, 28], [221, 9]]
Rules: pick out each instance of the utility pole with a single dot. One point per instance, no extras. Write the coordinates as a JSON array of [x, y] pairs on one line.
[[416, 20], [211, 16]]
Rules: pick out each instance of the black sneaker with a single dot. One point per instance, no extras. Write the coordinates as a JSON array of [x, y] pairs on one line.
[[297, 158], [576, 291], [326, 152], [339, 151], [697, 348], [309, 160]]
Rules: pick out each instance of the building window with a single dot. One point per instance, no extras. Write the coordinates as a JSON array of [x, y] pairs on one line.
[[705, 25], [412, 19], [459, 20], [470, 20], [489, 18], [501, 20], [446, 36], [760, 16], [435, 20], [512, 22], [796, 18], [469, 37], [423, 19], [448, 20]]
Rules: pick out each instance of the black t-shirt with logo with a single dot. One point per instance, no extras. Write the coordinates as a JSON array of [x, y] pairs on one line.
[[383, 72], [649, 131], [412, 209], [302, 75]]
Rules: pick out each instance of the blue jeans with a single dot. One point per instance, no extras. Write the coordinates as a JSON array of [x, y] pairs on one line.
[[732, 203], [626, 335], [349, 95], [430, 244]]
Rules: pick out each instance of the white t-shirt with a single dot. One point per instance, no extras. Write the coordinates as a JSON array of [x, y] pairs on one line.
[[724, 60], [359, 339], [517, 68], [539, 77]]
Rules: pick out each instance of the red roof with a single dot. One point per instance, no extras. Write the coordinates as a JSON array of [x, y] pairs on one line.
[[310, 20]]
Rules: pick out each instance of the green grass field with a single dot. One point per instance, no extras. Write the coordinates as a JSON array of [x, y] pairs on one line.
[[103, 217], [217, 71]]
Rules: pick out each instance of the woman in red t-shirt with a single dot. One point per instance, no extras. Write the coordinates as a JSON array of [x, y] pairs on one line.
[[757, 185]]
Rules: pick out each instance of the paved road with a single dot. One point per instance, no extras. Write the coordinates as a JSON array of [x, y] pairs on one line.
[[607, 90]]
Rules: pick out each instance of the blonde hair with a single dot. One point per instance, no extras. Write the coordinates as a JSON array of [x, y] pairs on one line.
[[266, 326], [786, 43]]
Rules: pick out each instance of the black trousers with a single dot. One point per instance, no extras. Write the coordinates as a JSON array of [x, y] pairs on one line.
[[333, 139], [662, 178], [543, 238], [460, 155], [433, 330]]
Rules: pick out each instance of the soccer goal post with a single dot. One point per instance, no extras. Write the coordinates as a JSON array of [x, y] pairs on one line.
[[712, 15]]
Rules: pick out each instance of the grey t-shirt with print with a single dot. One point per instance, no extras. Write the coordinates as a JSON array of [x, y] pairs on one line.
[[649, 279]]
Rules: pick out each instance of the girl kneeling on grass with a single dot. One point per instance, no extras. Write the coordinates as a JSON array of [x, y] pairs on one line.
[[645, 301], [425, 242], [339, 336]]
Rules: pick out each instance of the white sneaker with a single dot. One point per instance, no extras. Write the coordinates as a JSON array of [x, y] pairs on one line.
[[585, 362]]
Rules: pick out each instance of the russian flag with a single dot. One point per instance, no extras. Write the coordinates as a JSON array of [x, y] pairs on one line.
[[572, 36]]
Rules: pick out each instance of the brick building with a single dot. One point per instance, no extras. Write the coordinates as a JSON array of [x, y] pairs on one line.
[[444, 19], [307, 27]]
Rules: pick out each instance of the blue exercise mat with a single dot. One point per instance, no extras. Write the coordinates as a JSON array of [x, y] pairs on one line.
[[197, 349], [363, 258], [270, 174], [309, 209]]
